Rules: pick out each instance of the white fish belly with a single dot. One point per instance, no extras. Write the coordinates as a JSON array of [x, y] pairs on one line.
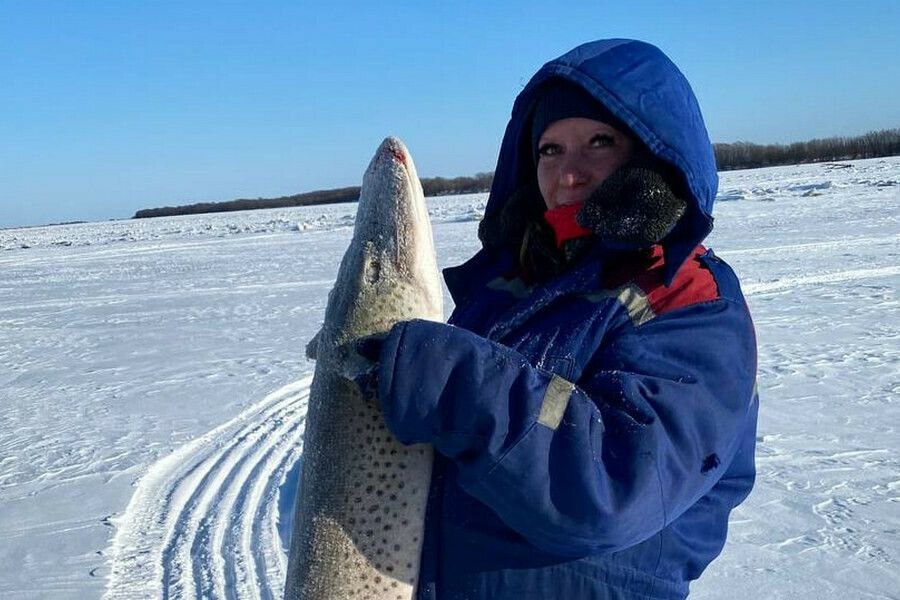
[[359, 524]]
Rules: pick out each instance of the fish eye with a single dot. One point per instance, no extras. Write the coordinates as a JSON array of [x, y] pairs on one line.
[[373, 271], [372, 268]]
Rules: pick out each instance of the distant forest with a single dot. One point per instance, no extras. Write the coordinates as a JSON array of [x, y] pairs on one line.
[[738, 155], [744, 155], [435, 186]]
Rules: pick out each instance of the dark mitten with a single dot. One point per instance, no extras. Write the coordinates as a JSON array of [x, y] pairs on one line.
[[370, 346], [634, 205], [370, 349]]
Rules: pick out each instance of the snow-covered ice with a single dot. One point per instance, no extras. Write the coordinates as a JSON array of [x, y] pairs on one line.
[[153, 385]]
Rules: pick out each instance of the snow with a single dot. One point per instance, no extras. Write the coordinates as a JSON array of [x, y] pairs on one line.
[[153, 385]]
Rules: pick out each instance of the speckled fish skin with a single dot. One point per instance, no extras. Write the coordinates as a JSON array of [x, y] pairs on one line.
[[359, 520]]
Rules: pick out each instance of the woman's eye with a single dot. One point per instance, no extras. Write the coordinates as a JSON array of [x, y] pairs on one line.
[[549, 149], [601, 140]]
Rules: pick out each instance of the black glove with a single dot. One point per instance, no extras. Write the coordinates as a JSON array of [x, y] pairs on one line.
[[634, 205], [370, 349]]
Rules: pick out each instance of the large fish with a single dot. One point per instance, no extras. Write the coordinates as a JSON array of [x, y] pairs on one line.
[[360, 510]]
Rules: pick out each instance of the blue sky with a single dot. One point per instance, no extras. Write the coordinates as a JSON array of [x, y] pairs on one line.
[[108, 107]]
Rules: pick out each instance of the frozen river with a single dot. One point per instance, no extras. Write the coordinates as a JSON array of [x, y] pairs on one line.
[[153, 384]]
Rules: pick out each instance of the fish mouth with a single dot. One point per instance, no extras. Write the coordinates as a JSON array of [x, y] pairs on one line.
[[391, 154], [391, 187], [392, 147]]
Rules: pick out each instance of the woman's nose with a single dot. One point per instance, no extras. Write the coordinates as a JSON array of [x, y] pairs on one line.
[[573, 173]]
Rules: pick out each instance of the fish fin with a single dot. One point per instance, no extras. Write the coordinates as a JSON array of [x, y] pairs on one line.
[[312, 348]]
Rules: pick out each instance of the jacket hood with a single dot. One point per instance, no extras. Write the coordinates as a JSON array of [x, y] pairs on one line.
[[645, 90]]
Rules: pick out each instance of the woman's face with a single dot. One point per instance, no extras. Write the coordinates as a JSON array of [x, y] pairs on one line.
[[575, 156]]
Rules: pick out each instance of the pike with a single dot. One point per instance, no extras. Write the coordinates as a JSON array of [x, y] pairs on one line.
[[360, 510]]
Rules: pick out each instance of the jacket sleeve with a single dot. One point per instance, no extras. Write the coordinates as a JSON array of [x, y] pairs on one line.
[[593, 467]]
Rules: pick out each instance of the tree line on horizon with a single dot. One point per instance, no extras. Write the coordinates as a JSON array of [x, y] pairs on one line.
[[433, 186], [729, 156], [746, 155]]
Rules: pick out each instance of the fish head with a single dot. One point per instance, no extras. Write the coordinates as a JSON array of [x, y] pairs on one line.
[[389, 272]]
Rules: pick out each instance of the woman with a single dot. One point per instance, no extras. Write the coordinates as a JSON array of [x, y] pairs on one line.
[[592, 402]]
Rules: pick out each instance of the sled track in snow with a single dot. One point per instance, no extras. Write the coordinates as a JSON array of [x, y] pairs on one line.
[[203, 520], [792, 282]]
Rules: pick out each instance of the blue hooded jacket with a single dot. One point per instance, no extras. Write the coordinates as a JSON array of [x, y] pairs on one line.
[[593, 431]]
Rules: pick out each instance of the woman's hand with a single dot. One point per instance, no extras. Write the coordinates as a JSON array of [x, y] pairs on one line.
[[634, 205], [369, 348]]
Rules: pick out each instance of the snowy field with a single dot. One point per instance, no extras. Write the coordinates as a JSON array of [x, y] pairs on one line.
[[153, 385]]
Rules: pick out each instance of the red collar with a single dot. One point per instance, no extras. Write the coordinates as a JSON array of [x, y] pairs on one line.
[[565, 226]]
